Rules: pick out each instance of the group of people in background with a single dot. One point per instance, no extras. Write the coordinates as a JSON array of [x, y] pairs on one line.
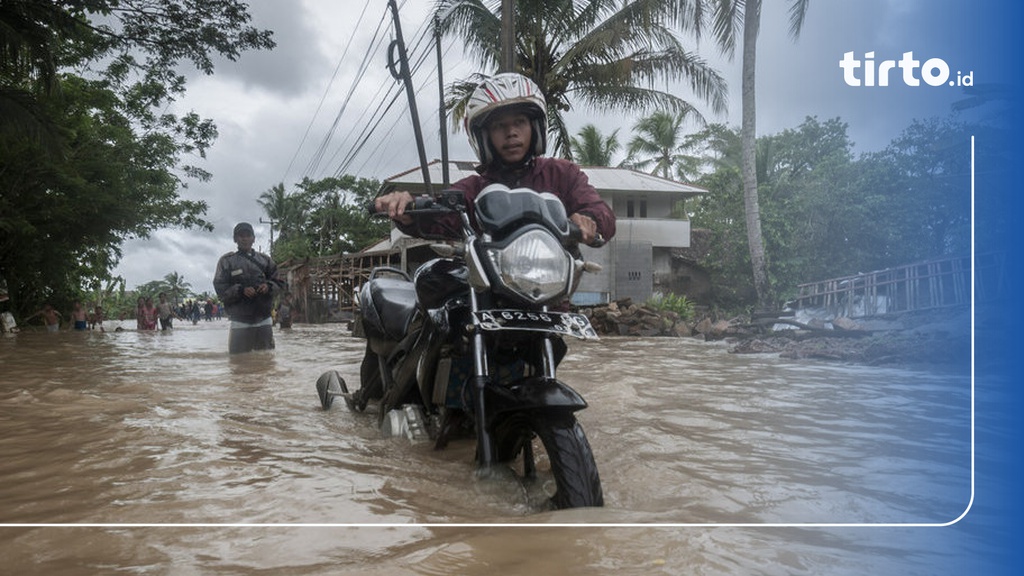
[[80, 318], [150, 316]]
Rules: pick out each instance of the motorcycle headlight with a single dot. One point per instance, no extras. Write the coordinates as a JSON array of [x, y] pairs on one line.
[[534, 266]]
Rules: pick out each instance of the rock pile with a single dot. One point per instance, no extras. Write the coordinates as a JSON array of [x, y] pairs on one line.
[[625, 318]]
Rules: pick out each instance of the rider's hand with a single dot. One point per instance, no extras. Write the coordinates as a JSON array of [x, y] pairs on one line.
[[393, 204], [588, 227]]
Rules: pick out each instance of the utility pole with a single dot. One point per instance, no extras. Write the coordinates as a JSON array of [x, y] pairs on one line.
[[440, 97], [400, 71], [508, 37], [271, 222]]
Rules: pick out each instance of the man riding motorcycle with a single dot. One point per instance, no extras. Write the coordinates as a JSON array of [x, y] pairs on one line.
[[471, 342], [506, 120]]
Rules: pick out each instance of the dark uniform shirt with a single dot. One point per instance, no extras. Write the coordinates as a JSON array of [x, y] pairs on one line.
[[235, 272]]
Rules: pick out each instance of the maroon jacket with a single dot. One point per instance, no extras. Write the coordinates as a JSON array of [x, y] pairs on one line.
[[559, 177]]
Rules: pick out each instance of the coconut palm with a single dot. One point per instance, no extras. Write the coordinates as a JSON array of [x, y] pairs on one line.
[[177, 286], [660, 145], [606, 55], [591, 148], [728, 18], [289, 211]]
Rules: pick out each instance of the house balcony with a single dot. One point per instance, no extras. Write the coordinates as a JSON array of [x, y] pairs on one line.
[[660, 232]]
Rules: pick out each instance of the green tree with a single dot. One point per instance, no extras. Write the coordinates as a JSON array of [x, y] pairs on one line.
[[177, 287], [89, 157], [605, 55], [323, 217], [827, 213], [659, 145], [30, 33], [728, 18], [591, 148], [288, 212], [721, 213]]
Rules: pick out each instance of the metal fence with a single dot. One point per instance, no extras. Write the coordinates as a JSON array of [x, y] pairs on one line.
[[926, 285]]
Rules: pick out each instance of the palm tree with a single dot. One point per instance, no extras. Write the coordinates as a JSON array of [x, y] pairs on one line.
[[176, 285], [604, 54], [288, 211], [592, 148], [729, 16], [658, 143]]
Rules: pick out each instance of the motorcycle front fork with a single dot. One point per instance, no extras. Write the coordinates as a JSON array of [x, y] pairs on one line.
[[481, 379]]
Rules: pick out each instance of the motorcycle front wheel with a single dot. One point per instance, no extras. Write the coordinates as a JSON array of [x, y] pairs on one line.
[[571, 461]]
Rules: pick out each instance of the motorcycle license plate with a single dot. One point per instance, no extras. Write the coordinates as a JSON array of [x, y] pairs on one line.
[[563, 323]]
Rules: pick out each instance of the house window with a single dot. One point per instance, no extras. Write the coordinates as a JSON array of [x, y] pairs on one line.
[[634, 275], [636, 208]]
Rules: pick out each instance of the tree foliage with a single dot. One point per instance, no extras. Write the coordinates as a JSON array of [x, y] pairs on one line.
[[602, 54], [591, 148], [729, 19], [827, 213], [323, 217], [89, 154], [660, 146]]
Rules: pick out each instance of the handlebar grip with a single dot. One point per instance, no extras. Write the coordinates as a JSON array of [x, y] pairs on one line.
[[418, 203], [576, 234]]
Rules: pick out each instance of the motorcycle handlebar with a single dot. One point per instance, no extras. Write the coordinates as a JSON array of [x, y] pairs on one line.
[[453, 200], [576, 234], [446, 201]]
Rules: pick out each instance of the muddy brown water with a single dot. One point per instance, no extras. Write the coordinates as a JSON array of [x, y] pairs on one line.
[[157, 453]]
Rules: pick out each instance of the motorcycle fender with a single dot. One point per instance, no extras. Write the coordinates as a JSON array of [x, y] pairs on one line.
[[536, 393]]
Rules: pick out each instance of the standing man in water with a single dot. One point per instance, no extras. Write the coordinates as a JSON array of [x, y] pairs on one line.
[[246, 281]]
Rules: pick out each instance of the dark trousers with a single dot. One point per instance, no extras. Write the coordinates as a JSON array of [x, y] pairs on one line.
[[250, 338]]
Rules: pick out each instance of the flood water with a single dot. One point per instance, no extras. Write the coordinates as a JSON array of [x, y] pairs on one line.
[[157, 453]]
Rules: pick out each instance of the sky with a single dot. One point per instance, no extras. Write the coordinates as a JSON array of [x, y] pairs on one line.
[[299, 109]]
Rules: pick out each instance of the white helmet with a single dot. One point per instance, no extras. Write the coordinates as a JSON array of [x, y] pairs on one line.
[[505, 92]]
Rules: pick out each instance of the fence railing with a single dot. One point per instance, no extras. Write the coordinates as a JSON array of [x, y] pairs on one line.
[[920, 286]]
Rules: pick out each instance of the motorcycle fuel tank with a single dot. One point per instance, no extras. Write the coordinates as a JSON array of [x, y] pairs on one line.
[[440, 280]]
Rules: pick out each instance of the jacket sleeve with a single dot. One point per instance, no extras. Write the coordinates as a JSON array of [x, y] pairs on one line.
[[442, 226], [582, 198]]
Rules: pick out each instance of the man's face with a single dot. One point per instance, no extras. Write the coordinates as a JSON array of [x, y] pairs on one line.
[[244, 240], [510, 135]]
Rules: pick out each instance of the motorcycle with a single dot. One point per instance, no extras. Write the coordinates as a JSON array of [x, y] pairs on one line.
[[469, 346]]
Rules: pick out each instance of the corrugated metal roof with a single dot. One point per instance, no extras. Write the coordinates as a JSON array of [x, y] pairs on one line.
[[603, 178]]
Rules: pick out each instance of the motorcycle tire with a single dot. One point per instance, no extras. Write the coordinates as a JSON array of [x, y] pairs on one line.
[[572, 463]]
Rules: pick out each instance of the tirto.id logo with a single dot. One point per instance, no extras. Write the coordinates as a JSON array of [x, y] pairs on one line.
[[934, 71]]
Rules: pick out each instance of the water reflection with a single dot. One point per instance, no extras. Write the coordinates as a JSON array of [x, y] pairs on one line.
[[167, 428]]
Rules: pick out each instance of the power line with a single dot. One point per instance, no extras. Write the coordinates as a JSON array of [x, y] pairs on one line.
[[327, 90], [379, 113], [318, 156]]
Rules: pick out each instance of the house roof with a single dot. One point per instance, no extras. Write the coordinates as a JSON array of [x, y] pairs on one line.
[[602, 178]]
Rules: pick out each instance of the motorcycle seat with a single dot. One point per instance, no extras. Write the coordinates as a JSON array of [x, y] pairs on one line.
[[392, 306]]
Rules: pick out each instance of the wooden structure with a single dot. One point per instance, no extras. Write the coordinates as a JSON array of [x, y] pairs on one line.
[[324, 289], [925, 285]]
